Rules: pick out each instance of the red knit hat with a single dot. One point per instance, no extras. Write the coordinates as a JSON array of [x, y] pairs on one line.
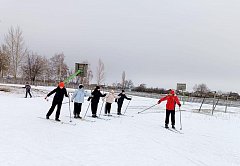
[[61, 84], [172, 92]]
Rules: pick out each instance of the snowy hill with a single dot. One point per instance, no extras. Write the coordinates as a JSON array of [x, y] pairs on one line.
[[27, 140]]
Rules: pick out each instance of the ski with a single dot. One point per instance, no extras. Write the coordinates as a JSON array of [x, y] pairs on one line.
[[123, 115], [173, 130], [83, 119], [111, 116], [99, 118], [61, 122]]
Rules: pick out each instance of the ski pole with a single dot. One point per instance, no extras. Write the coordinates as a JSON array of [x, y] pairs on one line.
[[87, 110], [70, 110], [180, 119], [126, 107], [147, 108], [101, 109], [66, 102]]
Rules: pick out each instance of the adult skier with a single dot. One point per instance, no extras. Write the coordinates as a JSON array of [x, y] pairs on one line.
[[110, 97], [120, 100], [78, 97], [96, 94], [172, 100], [28, 89], [60, 91]]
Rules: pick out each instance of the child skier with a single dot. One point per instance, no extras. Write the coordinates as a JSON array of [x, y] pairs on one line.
[[78, 97], [96, 94], [28, 89], [60, 91], [120, 100], [110, 97], [172, 99]]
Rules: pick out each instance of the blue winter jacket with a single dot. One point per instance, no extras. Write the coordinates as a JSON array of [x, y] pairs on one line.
[[78, 96]]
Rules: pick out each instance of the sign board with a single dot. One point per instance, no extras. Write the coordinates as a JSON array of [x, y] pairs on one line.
[[181, 86], [83, 67]]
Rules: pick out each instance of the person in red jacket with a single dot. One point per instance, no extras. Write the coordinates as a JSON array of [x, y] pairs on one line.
[[172, 100]]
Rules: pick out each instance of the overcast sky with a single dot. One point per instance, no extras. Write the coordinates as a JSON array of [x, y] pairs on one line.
[[156, 42]]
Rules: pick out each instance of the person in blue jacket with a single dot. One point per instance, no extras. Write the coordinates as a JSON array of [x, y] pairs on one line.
[[78, 98]]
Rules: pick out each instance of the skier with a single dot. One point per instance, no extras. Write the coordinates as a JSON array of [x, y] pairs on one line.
[[28, 89], [120, 100], [172, 99], [110, 97], [96, 94], [60, 91], [78, 97]]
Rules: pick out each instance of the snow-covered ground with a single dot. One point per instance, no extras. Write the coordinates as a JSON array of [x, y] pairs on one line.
[[141, 140]]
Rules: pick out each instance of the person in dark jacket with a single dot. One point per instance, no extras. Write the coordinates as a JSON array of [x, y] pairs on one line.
[[96, 94], [60, 91], [28, 89], [172, 100], [120, 100]]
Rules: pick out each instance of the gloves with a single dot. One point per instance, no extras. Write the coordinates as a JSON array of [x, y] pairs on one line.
[[46, 98], [89, 98], [130, 99], [179, 105], [158, 102], [115, 100], [71, 100]]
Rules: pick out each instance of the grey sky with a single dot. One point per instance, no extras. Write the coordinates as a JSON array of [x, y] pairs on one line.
[[157, 42]]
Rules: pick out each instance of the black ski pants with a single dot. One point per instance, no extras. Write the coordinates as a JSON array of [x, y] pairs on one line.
[[94, 106], [108, 108], [59, 105], [168, 112], [77, 108], [28, 92], [119, 107]]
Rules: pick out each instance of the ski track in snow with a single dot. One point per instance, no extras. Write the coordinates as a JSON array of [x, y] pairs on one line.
[[141, 140]]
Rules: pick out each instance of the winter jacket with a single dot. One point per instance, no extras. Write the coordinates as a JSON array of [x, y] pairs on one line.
[[110, 97], [122, 97], [28, 87], [59, 94], [78, 96], [96, 94], [171, 102]]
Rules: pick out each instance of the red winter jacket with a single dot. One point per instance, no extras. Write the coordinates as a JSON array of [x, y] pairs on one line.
[[171, 102]]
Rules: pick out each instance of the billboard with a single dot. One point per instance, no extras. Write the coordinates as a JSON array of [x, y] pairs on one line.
[[83, 67], [181, 86]]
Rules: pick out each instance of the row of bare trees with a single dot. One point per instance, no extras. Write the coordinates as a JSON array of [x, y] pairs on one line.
[[17, 61]]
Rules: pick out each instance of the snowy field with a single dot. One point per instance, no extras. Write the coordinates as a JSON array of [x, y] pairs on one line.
[[133, 140]]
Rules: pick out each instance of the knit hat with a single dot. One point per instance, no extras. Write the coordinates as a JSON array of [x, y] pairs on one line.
[[97, 87], [123, 90], [172, 92], [61, 84], [81, 86]]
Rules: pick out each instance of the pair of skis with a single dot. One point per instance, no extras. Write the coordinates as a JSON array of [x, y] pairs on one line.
[[61, 122], [173, 130]]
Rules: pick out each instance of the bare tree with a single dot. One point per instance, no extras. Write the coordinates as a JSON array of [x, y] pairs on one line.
[[129, 84], [201, 88], [47, 71], [33, 67], [100, 72], [123, 79], [4, 60], [15, 49], [59, 68], [89, 77]]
